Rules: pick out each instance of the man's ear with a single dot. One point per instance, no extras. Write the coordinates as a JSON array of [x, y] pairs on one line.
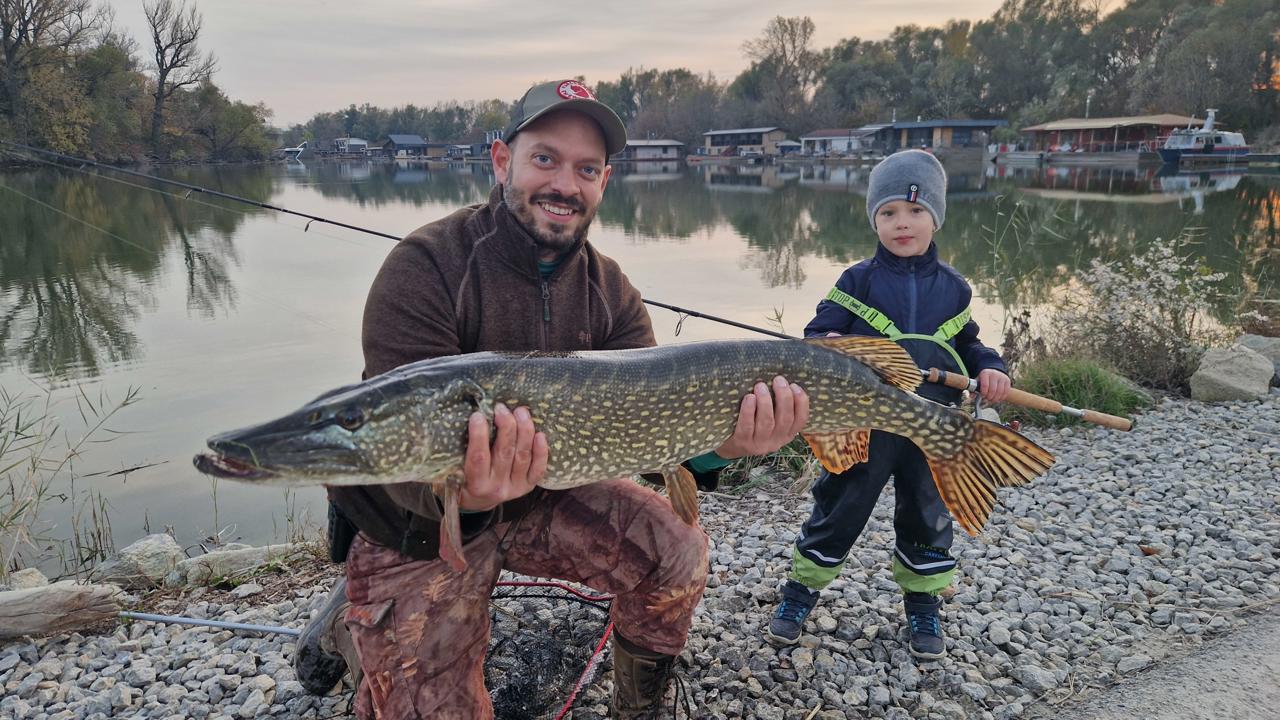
[[604, 180], [500, 155]]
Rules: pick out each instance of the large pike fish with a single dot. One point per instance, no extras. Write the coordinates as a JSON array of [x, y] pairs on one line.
[[614, 414]]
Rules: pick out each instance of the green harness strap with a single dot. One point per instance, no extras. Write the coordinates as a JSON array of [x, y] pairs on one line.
[[885, 326]]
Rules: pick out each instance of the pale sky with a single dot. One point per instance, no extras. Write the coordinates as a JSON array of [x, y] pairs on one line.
[[301, 57]]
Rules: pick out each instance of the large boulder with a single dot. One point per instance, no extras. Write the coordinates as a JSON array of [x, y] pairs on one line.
[[1234, 373], [143, 564], [1268, 347]]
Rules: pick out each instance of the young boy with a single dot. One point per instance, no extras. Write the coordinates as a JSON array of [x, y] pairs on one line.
[[908, 295]]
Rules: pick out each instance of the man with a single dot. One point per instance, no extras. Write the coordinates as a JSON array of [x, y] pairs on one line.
[[516, 273]]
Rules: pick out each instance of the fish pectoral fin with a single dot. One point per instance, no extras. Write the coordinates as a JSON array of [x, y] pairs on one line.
[[839, 451], [885, 357], [994, 457], [451, 525], [682, 490]]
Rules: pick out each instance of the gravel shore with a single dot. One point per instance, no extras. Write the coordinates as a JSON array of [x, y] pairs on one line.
[[1128, 555]]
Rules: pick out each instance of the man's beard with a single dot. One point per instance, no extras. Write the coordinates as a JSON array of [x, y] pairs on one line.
[[556, 238]]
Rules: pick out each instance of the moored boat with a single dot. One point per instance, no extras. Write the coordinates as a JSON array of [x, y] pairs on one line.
[[1204, 143]]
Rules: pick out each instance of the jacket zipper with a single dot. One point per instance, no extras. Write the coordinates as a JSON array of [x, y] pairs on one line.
[[546, 311], [912, 303]]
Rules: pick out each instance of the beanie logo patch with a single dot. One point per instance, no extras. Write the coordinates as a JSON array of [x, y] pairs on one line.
[[913, 192], [574, 90]]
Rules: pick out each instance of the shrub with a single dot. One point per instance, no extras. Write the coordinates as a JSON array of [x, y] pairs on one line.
[[1079, 383], [1146, 316]]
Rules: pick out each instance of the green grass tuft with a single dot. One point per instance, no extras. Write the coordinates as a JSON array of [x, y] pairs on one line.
[[1079, 383]]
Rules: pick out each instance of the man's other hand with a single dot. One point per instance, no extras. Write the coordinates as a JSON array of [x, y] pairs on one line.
[[767, 423]]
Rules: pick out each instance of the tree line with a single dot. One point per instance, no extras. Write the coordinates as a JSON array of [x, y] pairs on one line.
[[72, 82]]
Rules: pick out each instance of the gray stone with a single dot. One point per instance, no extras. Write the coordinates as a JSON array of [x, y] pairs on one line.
[[1035, 678], [1234, 373], [1132, 663], [1268, 347], [26, 579], [155, 555], [245, 590]]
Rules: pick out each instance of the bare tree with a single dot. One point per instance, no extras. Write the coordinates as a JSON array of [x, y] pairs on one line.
[[175, 32], [790, 65], [35, 33]]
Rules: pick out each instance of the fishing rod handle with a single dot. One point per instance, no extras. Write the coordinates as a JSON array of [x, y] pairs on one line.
[[1035, 402], [1105, 420]]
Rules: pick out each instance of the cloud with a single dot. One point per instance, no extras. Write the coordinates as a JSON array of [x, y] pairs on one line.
[[302, 57]]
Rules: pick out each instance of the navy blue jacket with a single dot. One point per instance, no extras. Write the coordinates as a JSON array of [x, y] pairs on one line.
[[918, 294]]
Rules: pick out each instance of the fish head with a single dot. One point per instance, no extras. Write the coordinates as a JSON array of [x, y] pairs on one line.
[[380, 431]]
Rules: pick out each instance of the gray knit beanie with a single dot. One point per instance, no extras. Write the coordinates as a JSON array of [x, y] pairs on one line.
[[911, 175]]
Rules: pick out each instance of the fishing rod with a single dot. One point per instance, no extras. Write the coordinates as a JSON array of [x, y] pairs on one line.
[[954, 380]]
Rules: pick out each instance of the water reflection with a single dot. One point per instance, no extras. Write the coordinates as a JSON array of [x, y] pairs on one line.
[[80, 253]]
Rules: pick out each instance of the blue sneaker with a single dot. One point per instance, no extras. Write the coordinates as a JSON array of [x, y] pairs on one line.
[[926, 625], [788, 619]]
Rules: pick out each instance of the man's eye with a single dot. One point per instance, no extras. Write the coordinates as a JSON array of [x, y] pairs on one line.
[[590, 171], [542, 159]]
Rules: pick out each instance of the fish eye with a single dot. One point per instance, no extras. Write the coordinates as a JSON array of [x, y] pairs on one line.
[[350, 418]]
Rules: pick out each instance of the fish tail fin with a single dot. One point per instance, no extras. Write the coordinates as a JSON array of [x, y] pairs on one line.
[[994, 456], [682, 490], [451, 527]]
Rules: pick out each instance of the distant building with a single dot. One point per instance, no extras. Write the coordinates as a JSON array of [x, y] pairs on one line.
[[847, 141], [1107, 134], [436, 150], [942, 133], [350, 145], [743, 141], [404, 146], [651, 150], [789, 147]]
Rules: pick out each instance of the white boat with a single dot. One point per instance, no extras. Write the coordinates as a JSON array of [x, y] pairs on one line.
[[1204, 143], [292, 153]]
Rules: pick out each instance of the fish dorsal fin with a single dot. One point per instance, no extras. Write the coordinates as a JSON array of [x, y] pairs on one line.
[[841, 450], [885, 357]]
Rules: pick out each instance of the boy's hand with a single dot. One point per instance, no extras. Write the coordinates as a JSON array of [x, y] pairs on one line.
[[994, 386]]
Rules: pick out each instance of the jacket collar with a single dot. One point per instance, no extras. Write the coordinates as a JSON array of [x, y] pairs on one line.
[[513, 242], [916, 263]]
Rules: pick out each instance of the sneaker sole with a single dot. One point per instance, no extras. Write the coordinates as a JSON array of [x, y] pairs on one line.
[[780, 640], [927, 656]]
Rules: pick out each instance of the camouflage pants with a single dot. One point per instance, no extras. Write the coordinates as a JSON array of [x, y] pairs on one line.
[[421, 630]]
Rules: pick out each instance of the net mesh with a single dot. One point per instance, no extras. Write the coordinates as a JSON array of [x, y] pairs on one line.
[[546, 647]]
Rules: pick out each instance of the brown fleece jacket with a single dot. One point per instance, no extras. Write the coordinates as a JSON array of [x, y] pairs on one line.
[[469, 283]]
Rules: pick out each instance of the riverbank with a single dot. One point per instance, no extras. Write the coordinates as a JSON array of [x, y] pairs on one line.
[[1131, 553]]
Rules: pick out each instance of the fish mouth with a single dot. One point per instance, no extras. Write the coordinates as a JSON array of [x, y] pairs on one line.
[[223, 466]]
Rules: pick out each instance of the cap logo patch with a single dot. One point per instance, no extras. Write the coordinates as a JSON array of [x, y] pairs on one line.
[[913, 192], [574, 90]]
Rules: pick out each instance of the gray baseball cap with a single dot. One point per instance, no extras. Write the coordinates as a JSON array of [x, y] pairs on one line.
[[567, 95]]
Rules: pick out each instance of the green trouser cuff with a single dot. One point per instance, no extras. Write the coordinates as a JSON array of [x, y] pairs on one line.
[[913, 582], [811, 574]]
